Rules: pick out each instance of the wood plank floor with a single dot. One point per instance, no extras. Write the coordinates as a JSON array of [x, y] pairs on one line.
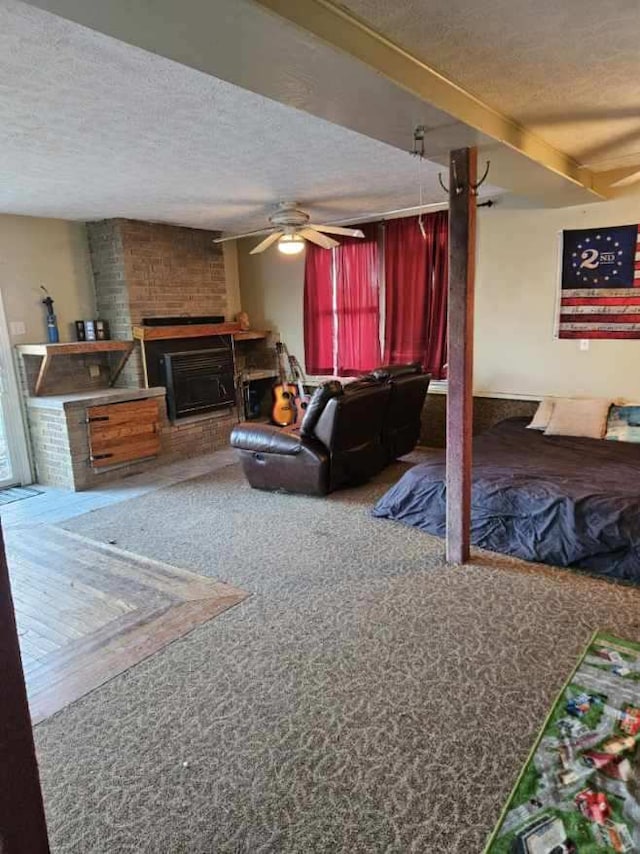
[[87, 611]]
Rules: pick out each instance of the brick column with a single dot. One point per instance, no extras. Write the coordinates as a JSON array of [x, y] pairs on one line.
[[145, 269]]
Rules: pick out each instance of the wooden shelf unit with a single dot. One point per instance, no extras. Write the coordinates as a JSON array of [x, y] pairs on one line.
[[186, 330], [251, 374], [196, 330], [74, 348], [252, 335], [47, 352]]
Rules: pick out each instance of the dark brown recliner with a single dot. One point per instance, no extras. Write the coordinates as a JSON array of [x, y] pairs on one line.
[[339, 442], [409, 386], [347, 435]]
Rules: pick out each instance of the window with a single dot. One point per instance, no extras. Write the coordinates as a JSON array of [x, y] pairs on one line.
[[342, 306], [416, 272], [343, 294]]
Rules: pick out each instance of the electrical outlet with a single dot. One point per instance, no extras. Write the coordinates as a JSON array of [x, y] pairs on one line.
[[17, 327], [94, 371], [584, 343]]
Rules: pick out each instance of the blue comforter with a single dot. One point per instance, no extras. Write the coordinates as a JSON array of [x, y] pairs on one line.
[[559, 500]]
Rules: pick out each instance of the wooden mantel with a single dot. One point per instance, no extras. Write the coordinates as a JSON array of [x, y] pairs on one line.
[[184, 330], [196, 330]]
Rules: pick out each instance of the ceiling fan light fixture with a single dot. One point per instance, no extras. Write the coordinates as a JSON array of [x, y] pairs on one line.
[[291, 244]]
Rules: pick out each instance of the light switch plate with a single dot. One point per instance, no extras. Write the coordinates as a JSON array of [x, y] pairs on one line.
[[584, 343], [17, 327]]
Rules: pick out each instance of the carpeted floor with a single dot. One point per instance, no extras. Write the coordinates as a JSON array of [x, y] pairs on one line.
[[366, 698]]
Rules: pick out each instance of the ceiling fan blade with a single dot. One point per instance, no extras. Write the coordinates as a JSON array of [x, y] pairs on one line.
[[266, 243], [316, 237], [628, 180], [337, 229], [240, 236]]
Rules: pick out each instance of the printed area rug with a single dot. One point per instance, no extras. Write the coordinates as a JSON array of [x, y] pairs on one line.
[[580, 789]]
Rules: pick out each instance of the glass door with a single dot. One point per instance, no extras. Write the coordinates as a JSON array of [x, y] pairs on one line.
[[7, 477], [15, 467]]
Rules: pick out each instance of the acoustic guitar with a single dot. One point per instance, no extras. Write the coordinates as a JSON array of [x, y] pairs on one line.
[[301, 398], [283, 412]]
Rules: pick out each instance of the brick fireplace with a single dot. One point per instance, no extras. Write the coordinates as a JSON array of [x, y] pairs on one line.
[[145, 269], [84, 432], [151, 270]]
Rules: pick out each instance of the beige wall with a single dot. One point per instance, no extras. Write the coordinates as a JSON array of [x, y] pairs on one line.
[[48, 252], [271, 292], [515, 351], [517, 280]]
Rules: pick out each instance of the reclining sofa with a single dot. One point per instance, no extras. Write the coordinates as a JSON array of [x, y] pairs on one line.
[[348, 434]]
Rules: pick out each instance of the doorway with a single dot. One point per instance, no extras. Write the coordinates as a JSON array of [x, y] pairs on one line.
[[15, 465]]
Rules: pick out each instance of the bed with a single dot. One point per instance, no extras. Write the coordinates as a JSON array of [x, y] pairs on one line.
[[559, 500]]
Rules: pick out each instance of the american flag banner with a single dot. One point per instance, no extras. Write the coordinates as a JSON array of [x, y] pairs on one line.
[[600, 283]]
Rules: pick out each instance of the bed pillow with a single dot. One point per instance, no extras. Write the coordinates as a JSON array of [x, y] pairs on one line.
[[540, 420], [579, 417], [623, 424]]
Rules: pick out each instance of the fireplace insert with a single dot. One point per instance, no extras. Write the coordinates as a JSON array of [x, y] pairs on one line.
[[198, 381]]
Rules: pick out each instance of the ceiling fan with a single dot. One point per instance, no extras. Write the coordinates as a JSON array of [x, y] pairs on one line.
[[290, 227]]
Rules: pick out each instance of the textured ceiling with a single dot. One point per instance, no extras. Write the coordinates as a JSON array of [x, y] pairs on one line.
[[91, 127], [279, 49], [568, 70]]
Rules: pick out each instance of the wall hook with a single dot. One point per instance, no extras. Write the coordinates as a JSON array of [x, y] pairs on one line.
[[441, 182], [475, 187], [456, 184], [472, 187]]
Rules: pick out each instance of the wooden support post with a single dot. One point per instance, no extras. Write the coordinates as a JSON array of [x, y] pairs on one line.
[[462, 252], [22, 821]]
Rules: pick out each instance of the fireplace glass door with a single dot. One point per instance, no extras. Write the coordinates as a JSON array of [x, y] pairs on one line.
[[198, 381]]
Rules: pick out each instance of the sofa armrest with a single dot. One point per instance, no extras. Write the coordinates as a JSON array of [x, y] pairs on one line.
[[265, 439]]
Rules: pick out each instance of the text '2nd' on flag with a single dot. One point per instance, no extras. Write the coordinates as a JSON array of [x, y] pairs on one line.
[[600, 283]]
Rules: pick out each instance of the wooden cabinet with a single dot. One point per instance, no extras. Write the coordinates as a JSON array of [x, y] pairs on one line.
[[123, 432]]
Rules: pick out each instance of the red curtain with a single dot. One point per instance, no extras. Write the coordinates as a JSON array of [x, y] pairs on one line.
[[357, 303], [318, 311], [416, 271]]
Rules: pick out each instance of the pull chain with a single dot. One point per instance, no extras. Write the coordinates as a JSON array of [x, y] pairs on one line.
[[420, 222]]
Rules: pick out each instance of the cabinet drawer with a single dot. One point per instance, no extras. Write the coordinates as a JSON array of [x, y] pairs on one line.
[[123, 432]]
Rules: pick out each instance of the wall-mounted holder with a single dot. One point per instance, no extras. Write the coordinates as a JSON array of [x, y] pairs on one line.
[[418, 142], [473, 187], [418, 151]]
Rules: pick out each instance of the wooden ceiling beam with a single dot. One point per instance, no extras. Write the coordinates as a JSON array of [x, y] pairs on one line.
[[343, 31]]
